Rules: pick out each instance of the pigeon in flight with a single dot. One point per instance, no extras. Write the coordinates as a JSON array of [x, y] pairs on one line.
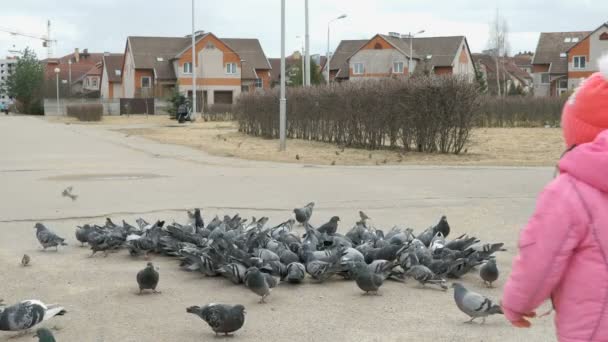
[[47, 238], [222, 318], [27, 314], [473, 304], [147, 279], [67, 192]]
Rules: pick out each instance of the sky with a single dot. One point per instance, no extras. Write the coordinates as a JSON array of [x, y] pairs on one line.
[[104, 25]]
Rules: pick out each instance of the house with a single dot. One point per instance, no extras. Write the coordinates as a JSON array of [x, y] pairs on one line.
[[111, 76], [389, 56], [563, 59], [156, 66], [7, 66], [89, 83], [523, 60], [512, 78], [72, 68], [292, 65]]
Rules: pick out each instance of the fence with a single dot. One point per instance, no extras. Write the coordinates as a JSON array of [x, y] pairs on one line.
[[110, 106]]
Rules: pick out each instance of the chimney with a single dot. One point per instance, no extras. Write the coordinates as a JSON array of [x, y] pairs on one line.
[[77, 55], [106, 53]]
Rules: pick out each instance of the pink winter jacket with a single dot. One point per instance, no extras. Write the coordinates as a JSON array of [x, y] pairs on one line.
[[563, 251]]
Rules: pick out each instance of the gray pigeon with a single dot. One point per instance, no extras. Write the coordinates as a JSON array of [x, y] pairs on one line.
[[82, 234], [44, 335], [295, 272], [27, 314], [147, 279], [424, 275], [67, 192], [222, 318], [235, 272], [260, 283], [489, 272], [367, 280], [25, 261], [47, 238], [473, 304], [331, 227], [303, 214]]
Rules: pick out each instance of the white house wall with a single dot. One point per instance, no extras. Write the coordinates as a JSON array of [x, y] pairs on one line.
[[377, 63]]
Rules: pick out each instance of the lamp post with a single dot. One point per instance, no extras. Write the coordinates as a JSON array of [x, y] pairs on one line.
[[307, 46], [303, 66], [70, 77], [57, 70], [193, 65], [409, 65], [328, 57], [283, 100]]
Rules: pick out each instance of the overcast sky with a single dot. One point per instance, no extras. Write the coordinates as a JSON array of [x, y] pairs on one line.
[[104, 25]]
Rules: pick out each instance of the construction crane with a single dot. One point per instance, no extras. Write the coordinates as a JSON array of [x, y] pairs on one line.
[[47, 42]]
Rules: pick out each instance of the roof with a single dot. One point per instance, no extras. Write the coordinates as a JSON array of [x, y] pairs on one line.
[[113, 63], [508, 66], [78, 69], [400, 44], [250, 50], [442, 50], [590, 33], [346, 48], [156, 53], [95, 71], [551, 45]]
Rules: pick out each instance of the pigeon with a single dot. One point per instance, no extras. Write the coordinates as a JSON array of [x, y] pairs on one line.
[[44, 335], [25, 261], [222, 318], [473, 304], [27, 314], [489, 272], [198, 219], [147, 279], [303, 214], [295, 273], [47, 238], [260, 283], [82, 234], [443, 226], [67, 192], [235, 272], [367, 280], [363, 216], [331, 227], [424, 275]]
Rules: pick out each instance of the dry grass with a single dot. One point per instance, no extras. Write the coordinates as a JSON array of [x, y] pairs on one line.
[[489, 146]]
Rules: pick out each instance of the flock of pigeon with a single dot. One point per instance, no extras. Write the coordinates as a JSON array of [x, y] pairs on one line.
[[260, 257]]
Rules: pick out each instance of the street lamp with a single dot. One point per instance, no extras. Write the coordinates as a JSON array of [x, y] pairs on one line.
[[193, 65], [306, 26], [283, 99], [409, 65], [57, 70], [328, 57]]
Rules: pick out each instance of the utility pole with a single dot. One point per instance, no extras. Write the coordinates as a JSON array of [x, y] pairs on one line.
[[328, 52], [283, 100], [193, 65], [307, 47]]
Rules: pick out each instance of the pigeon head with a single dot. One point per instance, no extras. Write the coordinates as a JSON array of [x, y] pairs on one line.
[[44, 334], [39, 226], [239, 308], [457, 286], [335, 219], [193, 309], [150, 265]]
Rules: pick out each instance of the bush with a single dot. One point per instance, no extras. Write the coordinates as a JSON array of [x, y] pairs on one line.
[[520, 111], [218, 112], [428, 114], [85, 112]]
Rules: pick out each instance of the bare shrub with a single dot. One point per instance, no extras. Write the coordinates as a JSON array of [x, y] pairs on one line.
[[85, 112], [520, 111], [428, 114], [218, 112]]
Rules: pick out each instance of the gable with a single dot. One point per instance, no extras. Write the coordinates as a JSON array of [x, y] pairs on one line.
[[377, 43], [209, 41]]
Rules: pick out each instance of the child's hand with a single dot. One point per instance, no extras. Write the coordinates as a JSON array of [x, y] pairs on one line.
[[523, 322]]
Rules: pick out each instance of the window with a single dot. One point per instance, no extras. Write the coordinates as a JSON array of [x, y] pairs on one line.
[[146, 82], [231, 68], [187, 68], [117, 72], [575, 40], [398, 67], [567, 40], [358, 69], [210, 45], [259, 83], [544, 78], [563, 84], [563, 55], [86, 82], [94, 83], [160, 59], [579, 62]]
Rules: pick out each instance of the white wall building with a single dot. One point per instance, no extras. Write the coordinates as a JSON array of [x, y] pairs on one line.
[[7, 66]]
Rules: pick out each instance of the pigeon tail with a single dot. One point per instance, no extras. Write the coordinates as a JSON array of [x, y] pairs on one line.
[[52, 311]]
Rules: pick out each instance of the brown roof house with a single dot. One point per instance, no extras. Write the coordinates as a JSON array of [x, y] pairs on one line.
[[389, 56], [512, 77], [73, 68], [111, 76], [155, 66], [563, 59]]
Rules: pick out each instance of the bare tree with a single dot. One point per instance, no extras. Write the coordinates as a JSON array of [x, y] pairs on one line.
[[498, 44]]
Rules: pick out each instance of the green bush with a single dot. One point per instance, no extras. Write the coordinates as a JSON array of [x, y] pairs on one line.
[[85, 112]]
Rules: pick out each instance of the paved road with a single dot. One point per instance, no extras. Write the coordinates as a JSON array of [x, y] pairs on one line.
[[127, 177]]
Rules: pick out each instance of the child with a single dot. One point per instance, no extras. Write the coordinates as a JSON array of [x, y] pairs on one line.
[[563, 251]]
